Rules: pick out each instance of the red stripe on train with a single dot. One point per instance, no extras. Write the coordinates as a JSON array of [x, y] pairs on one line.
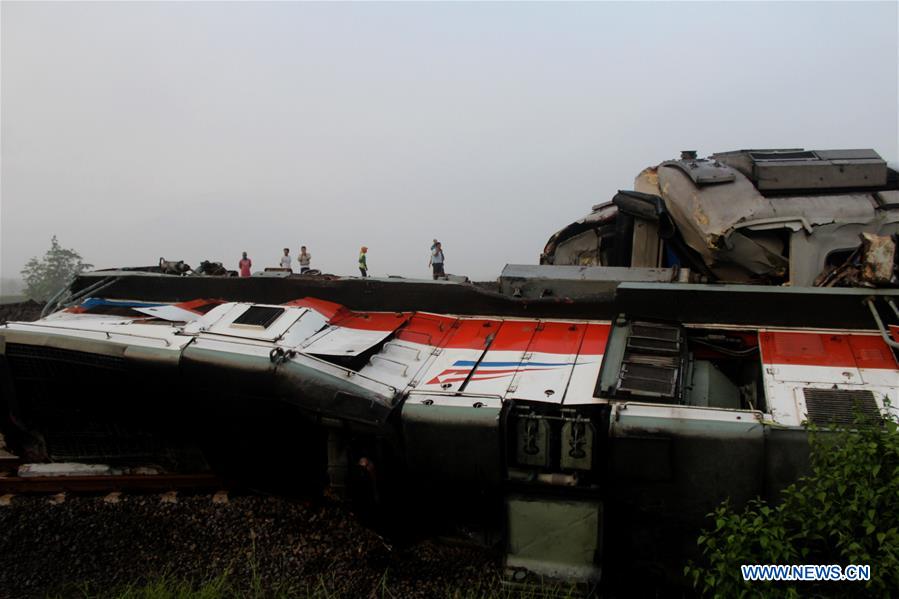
[[342, 316], [825, 349]]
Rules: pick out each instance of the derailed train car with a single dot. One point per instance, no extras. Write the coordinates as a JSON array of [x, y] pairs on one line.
[[599, 413]]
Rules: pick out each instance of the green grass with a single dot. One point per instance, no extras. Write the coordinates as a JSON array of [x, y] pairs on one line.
[[167, 587], [252, 586]]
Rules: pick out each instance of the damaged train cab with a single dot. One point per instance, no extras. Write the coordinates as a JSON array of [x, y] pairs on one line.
[[748, 216], [595, 440]]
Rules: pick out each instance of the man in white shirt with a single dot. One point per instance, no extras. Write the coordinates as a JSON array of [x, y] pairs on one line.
[[436, 261], [285, 259]]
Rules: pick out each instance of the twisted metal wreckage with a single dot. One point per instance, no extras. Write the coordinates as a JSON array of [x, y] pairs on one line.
[[598, 405]]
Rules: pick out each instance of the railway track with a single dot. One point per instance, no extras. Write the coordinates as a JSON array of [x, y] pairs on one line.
[[95, 485]]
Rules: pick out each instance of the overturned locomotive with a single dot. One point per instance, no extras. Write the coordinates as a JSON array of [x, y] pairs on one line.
[[598, 405], [751, 216]]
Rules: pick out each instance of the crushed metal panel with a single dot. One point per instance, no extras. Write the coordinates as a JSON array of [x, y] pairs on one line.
[[402, 359], [879, 258], [170, 313], [705, 215], [309, 323], [355, 333]]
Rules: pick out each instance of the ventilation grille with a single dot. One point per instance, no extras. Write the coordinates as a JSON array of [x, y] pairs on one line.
[[841, 406], [259, 316], [34, 362], [783, 156], [640, 379], [655, 339], [653, 361]]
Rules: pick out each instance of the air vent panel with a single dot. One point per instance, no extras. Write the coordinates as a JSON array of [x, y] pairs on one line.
[[259, 316], [840, 406]]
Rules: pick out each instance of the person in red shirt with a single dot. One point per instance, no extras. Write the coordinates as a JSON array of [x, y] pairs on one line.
[[245, 264]]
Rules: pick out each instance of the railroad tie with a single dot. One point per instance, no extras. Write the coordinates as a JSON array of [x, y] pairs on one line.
[[6, 499]]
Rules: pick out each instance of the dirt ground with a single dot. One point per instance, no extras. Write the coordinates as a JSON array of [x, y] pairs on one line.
[[289, 548]]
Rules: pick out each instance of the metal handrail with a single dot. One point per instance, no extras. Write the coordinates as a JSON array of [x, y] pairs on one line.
[[52, 302], [108, 334], [98, 286], [892, 305], [884, 332]]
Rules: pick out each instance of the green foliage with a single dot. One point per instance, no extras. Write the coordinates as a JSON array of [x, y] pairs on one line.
[[846, 511], [45, 276]]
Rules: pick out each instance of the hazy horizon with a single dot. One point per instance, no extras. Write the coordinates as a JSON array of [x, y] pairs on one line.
[[200, 130]]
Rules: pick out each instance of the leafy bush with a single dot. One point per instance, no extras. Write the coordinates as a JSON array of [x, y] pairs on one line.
[[846, 511], [45, 276]]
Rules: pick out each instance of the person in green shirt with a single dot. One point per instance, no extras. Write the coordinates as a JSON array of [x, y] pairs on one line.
[[363, 265]]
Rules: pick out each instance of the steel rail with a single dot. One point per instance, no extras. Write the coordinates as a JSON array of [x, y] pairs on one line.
[[107, 483]]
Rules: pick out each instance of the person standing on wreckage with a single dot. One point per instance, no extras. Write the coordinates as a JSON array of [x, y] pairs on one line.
[[304, 259], [363, 263], [285, 260], [245, 265], [436, 261]]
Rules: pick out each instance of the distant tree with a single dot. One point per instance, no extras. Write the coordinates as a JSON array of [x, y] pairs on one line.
[[45, 276]]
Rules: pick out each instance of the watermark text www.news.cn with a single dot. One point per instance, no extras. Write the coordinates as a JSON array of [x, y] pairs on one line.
[[805, 572]]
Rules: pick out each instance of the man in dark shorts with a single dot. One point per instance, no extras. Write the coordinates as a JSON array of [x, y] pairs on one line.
[[436, 261]]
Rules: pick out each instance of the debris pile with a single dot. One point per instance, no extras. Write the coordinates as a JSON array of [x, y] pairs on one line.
[[874, 263], [26, 311]]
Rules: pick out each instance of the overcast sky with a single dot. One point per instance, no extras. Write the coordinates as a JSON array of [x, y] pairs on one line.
[[199, 130]]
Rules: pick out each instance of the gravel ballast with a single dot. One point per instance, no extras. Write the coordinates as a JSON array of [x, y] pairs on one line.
[[290, 547]]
